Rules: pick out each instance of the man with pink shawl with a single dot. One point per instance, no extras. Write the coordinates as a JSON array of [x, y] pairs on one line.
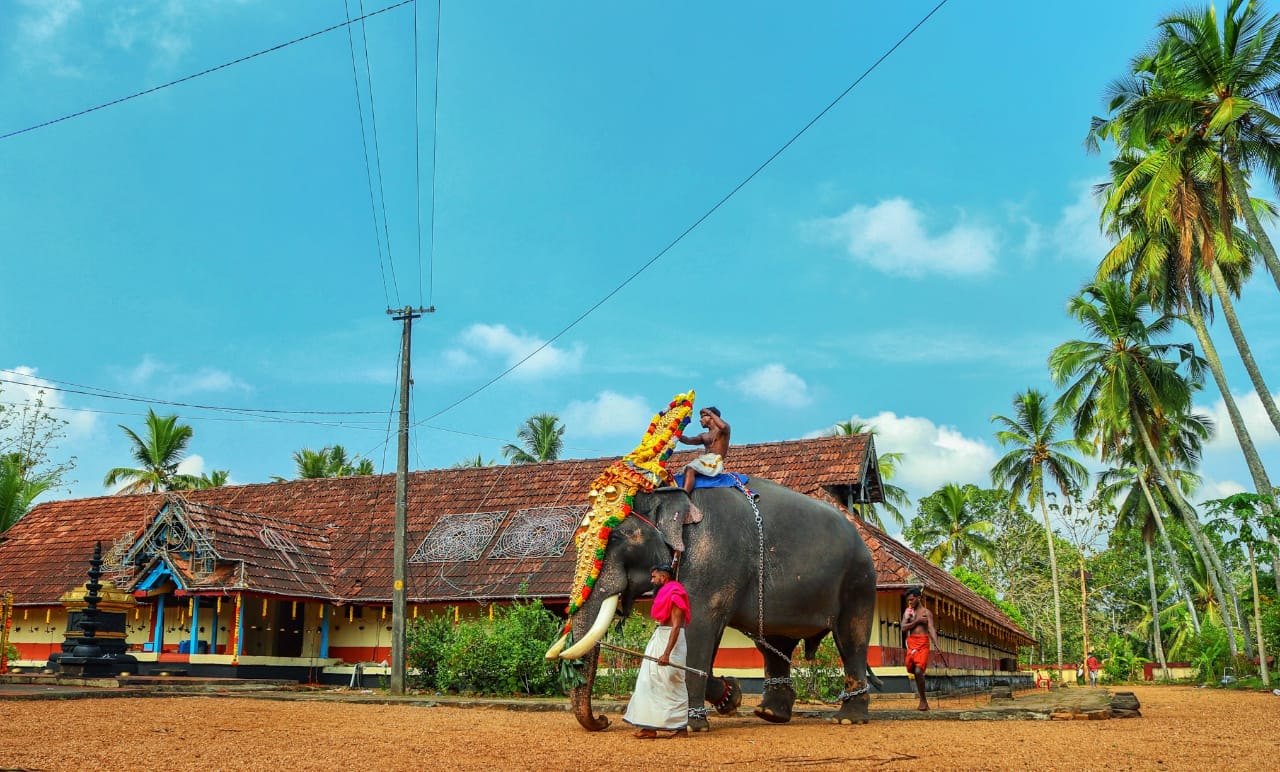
[[661, 700]]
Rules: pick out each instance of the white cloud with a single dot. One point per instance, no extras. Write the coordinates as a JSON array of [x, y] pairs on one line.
[[933, 455], [609, 413], [1076, 234], [497, 340], [1255, 420], [1219, 489], [773, 384], [192, 464], [891, 237], [29, 387], [920, 344], [170, 381]]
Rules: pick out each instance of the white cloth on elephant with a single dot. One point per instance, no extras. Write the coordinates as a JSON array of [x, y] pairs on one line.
[[707, 465], [660, 700]]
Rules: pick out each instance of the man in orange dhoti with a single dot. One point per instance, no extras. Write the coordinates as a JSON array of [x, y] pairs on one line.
[[917, 623]]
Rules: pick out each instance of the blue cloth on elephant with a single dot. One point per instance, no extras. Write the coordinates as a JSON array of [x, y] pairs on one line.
[[726, 480]]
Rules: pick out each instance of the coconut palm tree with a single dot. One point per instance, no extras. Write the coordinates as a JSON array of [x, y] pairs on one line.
[[157, 454], [1038, 453], [329, 461], [215, 479], [18, 489], [541, 439], [947, 528], [478, 461], [1123, 385], [895, 497]]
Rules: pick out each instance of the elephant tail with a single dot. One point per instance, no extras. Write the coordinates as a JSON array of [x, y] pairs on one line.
[[874, 680]]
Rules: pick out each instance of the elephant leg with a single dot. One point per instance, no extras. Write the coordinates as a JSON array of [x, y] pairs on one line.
[[779, 696], [851, 637], [702, 642], [725, 694]]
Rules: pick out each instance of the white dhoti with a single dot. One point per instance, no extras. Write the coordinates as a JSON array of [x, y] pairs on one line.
[[660, 700], [707, 465]]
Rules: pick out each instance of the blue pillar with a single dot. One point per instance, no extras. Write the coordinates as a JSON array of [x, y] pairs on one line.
[[195, 624], [158, 643], [324, 631]]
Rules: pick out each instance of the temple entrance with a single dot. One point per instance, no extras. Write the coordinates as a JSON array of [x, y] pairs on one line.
[[288, 639]]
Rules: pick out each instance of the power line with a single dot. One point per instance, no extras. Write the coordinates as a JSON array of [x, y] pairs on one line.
[[193, 76], [696, 223], [368, 169], [377, 149], [435, 143], [224, 419]]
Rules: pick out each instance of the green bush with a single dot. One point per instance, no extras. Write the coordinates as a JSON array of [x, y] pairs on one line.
[[1210, 654], [1120, 663], [821, 680], [12, 653], [617, 671], [481, 656]]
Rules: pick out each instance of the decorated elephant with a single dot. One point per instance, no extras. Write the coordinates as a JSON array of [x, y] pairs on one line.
[[775, 564]]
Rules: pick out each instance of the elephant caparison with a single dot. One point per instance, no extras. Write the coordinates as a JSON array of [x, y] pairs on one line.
[[819, 578]]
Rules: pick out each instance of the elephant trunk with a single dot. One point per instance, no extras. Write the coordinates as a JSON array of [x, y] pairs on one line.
[[580, 696]]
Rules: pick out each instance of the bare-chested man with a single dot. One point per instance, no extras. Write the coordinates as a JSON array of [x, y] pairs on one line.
[[716, 441], [917, 623]]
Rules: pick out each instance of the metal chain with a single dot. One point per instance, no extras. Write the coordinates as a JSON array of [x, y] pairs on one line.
[[701, 713], [759, 639], [777, 682], [846, 696]]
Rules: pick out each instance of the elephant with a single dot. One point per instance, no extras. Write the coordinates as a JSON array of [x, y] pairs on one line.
[[818, 578]]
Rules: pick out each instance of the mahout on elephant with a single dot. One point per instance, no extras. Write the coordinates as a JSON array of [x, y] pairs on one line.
[[778, 565]]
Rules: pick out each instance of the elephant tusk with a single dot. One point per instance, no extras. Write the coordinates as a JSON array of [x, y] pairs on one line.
[[607, 609], [557, 647]]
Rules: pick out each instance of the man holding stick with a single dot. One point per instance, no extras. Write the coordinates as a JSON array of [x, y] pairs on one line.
[[660, 701]]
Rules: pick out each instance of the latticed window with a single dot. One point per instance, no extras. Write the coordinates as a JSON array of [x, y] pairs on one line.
[[539, 532], [458, 537]]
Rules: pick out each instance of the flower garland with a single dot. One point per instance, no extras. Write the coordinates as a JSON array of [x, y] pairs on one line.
[[613, 494]]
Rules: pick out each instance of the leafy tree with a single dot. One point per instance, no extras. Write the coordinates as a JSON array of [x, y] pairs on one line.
[[329, 461], [976, 583], [215, 479], [18, 490], [157, 455], [1248, 517], [1037, 454], [29, 433], [478, 461], [541, 439], [947, 528], [895, 497]]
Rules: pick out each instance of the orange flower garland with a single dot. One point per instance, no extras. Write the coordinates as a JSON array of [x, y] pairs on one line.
[[613, 493]]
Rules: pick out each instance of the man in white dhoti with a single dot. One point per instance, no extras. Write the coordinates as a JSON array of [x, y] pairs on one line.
[[660, 701]]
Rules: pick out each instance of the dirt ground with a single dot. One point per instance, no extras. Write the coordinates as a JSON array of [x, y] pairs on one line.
[[1181, 728]]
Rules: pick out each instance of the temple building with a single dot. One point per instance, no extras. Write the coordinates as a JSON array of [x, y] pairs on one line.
[[293, 579]]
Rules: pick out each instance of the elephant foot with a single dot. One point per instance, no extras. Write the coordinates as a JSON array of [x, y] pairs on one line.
[[698, 720], [725, 695], [779, 697], [855, 703]]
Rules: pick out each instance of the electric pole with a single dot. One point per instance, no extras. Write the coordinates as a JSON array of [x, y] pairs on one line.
[[399, 572]]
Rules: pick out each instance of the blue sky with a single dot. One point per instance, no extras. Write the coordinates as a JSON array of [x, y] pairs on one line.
[[907, 261]]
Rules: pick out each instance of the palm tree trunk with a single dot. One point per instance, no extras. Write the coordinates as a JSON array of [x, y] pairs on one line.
[[1084, 611], [1261, 482], [1213, 566], [1235, 176], [1174, 565], [1257, 619], [1242, 344], [1155, 611], [1057, 595]]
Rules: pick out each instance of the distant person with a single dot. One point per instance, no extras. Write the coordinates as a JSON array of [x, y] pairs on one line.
[[716, 442], [660, 701], [917, 623], [1093, 666]]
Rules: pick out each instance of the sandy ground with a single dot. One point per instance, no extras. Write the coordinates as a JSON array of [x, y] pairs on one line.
[[1182, 728]]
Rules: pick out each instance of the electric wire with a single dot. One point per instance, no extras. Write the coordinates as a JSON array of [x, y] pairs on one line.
[[435, 144], [705, 216], [377, 148], [368, 170], [210, 70]]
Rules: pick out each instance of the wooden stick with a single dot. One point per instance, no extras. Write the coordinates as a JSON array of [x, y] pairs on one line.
[[642, 655]]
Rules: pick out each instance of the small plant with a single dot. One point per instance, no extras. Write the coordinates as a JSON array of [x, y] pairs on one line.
[[819, 680], [1120, 662], [1209, 654], [426, 641]]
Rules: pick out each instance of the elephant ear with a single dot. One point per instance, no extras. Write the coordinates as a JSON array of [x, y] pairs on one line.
[[673, 512]]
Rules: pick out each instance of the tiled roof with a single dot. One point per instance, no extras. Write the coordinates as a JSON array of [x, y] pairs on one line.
[[343, 529]]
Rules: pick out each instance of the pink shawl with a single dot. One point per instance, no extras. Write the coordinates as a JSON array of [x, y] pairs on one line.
[[670, 594]]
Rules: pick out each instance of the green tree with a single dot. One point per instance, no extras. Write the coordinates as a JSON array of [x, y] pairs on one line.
[[541, 439], [18, 490], [29, 435], [1037, 453], [329, 461], [1123, 385], [1248, 517], [157, 455], [215, 479], [895, 497], [478, 461], [947, 528]]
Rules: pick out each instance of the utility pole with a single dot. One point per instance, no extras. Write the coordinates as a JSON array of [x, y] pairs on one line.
[[399, 572]]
